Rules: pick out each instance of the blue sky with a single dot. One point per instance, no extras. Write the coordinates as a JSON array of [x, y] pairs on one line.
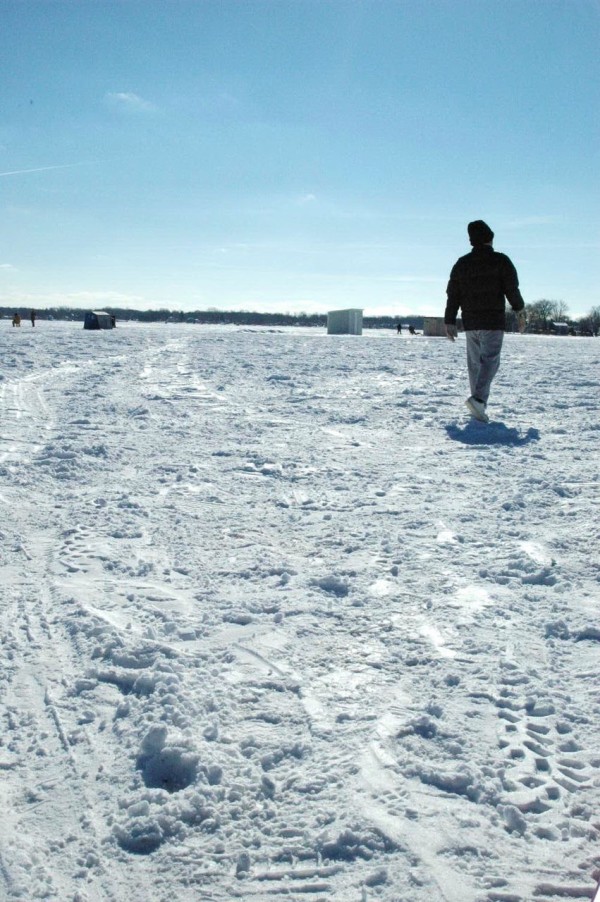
[[295, 155]]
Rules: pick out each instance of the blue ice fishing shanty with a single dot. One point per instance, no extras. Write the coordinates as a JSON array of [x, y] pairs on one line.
[[98, 319]]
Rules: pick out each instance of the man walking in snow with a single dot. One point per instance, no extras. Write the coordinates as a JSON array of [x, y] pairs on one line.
[[479, 283]]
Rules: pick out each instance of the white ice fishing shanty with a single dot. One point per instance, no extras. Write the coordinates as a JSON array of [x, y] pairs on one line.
[[345, 322]]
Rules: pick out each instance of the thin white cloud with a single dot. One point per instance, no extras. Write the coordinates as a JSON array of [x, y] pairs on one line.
[[414, 279], [79, 299], [108, 298], [7, 266], [127, 101], [307, 199], [41, 169], [524, 222]]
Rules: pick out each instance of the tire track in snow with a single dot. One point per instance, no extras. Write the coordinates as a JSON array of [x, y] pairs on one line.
[[37, 860]]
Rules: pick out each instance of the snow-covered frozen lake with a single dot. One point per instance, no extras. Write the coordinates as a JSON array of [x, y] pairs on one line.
[[279, 621]]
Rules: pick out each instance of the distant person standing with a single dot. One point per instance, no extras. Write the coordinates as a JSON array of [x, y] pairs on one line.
[[479, 283], [399, 328], [32, 316], [16, 320]]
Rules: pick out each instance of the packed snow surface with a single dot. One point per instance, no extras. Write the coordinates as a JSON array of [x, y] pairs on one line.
[[279, 621]]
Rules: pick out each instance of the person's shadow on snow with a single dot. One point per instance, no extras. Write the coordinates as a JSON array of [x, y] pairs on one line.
[[475, 433]]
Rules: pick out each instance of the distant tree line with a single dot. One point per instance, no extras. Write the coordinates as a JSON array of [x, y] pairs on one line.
[[542, 316], [214, 317]]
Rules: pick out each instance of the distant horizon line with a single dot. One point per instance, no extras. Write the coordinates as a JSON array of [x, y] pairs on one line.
[[210, 311], [250, 317]]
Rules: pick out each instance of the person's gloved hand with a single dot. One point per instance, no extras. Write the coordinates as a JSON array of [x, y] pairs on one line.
[[521, 320], [451, 332]]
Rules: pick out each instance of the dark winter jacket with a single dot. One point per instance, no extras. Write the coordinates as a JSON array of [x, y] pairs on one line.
[[478, 284]]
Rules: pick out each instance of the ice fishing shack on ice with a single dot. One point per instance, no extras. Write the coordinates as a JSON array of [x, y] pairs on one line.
[[345, 322], [98, 319]]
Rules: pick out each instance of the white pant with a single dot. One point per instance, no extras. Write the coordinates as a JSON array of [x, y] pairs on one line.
[[483, 359]]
